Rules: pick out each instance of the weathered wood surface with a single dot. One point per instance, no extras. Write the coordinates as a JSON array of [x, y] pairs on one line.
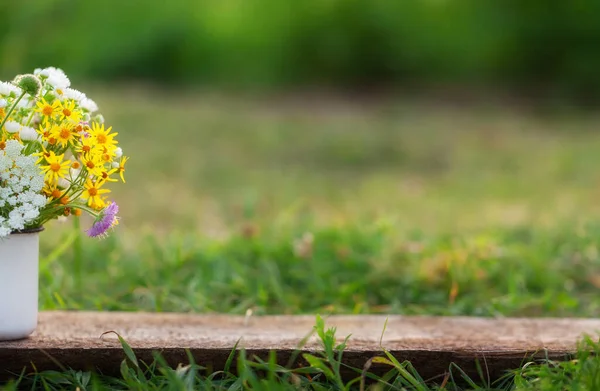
[[74, 339]]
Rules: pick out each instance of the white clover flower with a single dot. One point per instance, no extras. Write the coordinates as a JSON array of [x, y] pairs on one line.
[[28, 133]]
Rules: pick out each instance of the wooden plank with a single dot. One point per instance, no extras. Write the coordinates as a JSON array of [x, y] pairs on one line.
[[74, 340]]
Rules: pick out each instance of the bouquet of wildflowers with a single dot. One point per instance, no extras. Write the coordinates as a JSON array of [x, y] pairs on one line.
[[56, 155]]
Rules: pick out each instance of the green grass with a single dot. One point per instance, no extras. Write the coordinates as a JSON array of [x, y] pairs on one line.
[[319, 205], [316, 204]]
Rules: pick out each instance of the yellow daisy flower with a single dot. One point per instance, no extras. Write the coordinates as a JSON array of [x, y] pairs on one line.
[[93, 164], [121, 167], [64, 134], [48, 110], [52, 191], [86, 145], [106, 175], [103, 137], [55, 168], [93, 193], [68, 111], [43, 154]]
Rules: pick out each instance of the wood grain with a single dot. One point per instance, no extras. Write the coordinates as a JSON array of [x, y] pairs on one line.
[[76, 340]]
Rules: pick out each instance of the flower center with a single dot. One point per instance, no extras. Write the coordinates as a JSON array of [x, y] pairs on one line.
[[55, 167], [47, 111], [64, 200], [55, 193], [75, 165], [101, 139], [2, 145], [93, 191], [51, 141], [90, 164], [86, 148], [65, 133], [67, 112]]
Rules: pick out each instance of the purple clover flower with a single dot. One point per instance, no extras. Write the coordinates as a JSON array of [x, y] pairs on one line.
[[105, 220]]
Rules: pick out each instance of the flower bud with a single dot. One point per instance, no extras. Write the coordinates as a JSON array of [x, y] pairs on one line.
[[29, 83], [99, 119]]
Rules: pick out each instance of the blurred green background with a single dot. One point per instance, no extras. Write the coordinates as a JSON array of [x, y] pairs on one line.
[[540, 48], [343, 155]]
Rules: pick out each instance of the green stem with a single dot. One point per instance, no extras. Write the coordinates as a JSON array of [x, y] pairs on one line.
[[11, 109], [78, 256]]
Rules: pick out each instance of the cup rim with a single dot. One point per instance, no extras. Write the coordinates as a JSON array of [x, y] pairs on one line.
[[28, 231]]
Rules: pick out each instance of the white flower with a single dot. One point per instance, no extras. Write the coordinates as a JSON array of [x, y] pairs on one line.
[[89, 105], [37, 183], [28, 133], [38, 201], [13, 148], [12, 126], [56, 78], [70, 93], [22, 182], [118, 152], [16, 219], [7, 88], [3, 103], [4, 231], [25, 103]]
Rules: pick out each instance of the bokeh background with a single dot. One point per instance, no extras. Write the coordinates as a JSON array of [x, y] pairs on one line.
[[312, 123], [550, 47], [243, 108]]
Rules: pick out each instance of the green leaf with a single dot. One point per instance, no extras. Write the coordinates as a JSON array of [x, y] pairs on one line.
[[318, 363]]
